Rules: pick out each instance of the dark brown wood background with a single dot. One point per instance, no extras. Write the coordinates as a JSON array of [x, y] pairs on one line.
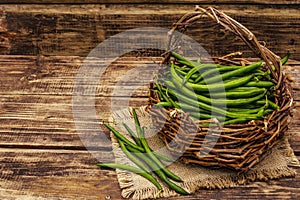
[[42, 46]]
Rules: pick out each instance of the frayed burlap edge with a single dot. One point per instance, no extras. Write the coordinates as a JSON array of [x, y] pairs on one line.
[[276, 163]]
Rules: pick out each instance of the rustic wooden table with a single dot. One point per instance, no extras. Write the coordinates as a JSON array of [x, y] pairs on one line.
[[42, 48]]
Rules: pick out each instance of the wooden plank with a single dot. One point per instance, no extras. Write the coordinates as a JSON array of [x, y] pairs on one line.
[[76, 29], [267, 2], [47, 122], [65, 174], [55, 75], [48, 174]]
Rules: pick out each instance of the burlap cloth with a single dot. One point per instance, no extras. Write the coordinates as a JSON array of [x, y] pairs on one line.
[[276, 163]]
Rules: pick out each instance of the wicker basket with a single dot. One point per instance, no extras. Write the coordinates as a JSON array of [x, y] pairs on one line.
[[237, 146]]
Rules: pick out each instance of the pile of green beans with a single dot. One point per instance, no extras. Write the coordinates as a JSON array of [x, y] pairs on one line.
[[231, 94], [146, 160]]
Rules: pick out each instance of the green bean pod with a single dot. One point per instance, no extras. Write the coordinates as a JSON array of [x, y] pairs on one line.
[[129, 143], [240, 71], [240, 120], [245, 110], [200, 69], [183, 73], [212, 87], [157, 170], [163, 104], [213, 109], [264, 84], [285, 59], [191, 110], [121, 137], [235, 94], [164, 96], [269, 102], [132, 134], [132, 158], [149, 151], [243, 88], [222, 102], [215, 71], [134, 170], [179, 57]]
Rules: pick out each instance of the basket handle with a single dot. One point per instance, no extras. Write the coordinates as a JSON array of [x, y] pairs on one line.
[[233, 26]]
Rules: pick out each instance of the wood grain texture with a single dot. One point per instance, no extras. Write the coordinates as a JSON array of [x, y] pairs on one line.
[[36, 107], [42, 154], [53, 174], [267, 2], [56, 75], [65, 174], [76, 29]]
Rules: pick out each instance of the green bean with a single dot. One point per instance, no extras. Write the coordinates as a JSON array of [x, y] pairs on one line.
[[270, 103], [191, 101], [121, 137], [139, 153], [245, 119], [233, 73], [245, 110], [178, 105], [193, 77], [265, 84], [157, 170], [205, 114], [212, 87], [138, 126], [233, 94], [164, 96], [149, 152], [191, 110], [216, 70], [132, 158], [242, 89], [173, 103], [183, 106], [163, 104], [163, 157], [134, 170], [228, 102], [199, 115], [268, 111], [188, 107], [199, 68], [159, 94], [182, 69], [172, 185], [132, 134], [138, 142], [285, 59], [158, 155], [239, 120], [179, 57]]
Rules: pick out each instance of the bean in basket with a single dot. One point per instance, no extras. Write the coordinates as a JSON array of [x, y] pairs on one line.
[[236, 94]]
